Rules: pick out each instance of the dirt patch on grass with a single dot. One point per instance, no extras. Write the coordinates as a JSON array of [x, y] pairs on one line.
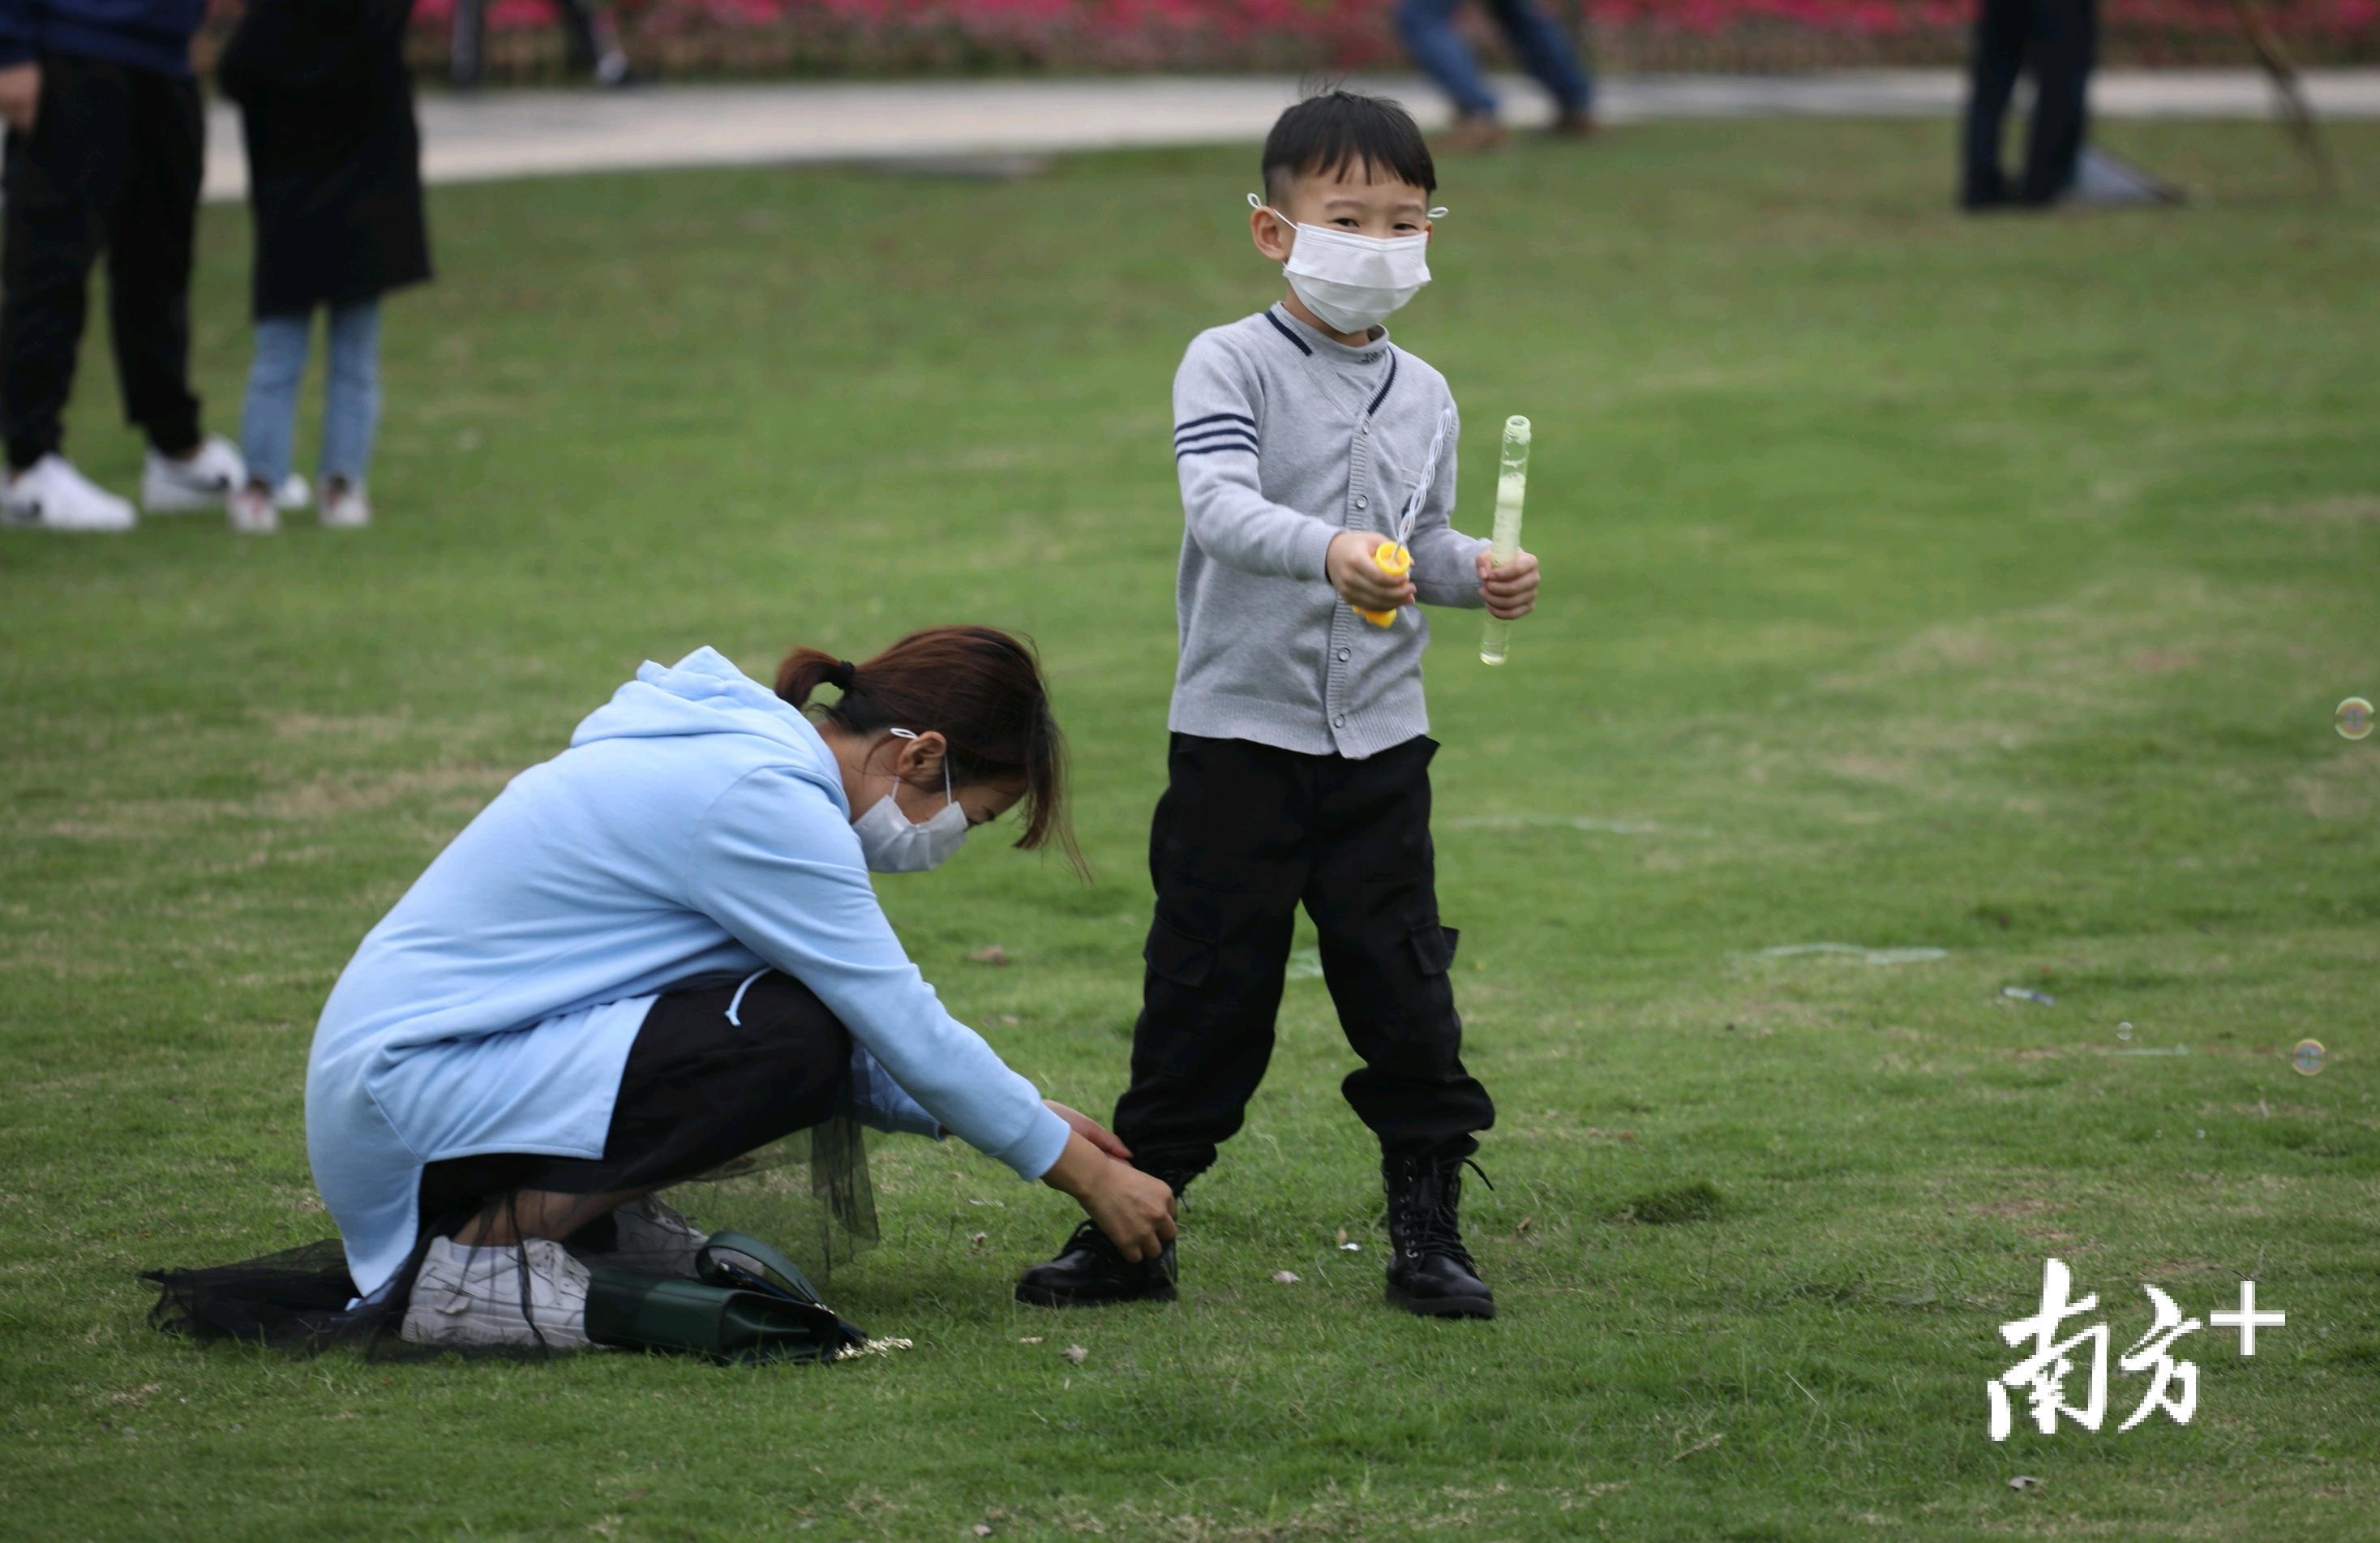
[[2353, 509], [2006, 1211], [461, 789], [328, 796], [2343, 787], [374, 728], [1860, 768], [2039, 669]]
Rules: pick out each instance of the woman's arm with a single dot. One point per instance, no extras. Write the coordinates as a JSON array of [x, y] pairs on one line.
[[881, 1104], [791, 887]]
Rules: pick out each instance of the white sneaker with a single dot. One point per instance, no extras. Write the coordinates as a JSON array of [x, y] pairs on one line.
[[655, 1240], [295, 492], [253, 512], [470, 1298], [52, 495], [346, 508], [202, 482]]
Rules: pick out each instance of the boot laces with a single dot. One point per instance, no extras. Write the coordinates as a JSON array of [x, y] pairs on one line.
[[1088, 1235], [1425, 1214]]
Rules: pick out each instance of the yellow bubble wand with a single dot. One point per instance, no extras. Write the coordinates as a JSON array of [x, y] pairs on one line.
[[1391, 555], [1504, 543]]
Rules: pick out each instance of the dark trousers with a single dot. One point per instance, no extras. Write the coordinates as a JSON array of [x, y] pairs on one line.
[[113, 164], [1243, 834], [2058, 40]]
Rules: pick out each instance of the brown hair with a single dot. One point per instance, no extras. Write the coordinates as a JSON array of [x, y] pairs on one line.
[[980, 688]]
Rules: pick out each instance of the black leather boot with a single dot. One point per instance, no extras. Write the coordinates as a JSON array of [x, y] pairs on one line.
[[1430, 1273], [1089, 1272]]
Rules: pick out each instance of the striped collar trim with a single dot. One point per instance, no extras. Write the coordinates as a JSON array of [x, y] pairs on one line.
[[1286, 331], [1383, 394]]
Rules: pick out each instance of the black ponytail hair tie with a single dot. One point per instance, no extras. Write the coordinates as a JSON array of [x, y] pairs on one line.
[[841, 676]]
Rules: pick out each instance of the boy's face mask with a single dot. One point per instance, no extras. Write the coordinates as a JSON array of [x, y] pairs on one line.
[[893, 843], [1353, 282]]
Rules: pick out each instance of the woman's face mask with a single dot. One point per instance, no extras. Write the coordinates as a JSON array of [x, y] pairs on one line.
[[893, 843], [1353, 282]]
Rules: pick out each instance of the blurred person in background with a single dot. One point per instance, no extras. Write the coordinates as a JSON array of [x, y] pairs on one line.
[[106, 143], [594, 42], [334, 193], [1427, 28], [2059, 41]]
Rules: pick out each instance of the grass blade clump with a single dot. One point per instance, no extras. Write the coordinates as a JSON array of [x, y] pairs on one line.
[[1698, 1201]]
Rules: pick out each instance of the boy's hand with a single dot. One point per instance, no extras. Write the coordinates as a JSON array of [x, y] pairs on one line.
[[1361, 582], [1511, 591]]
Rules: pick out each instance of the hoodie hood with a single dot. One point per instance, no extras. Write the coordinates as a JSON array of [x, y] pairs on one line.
[[705, 694]]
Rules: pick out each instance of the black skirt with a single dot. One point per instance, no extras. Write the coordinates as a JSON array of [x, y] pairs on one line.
[[718, 1071]]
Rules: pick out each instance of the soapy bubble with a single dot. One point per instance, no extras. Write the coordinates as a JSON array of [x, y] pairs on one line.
[[2307, 1057], [2123, 1031], [2353, 718]]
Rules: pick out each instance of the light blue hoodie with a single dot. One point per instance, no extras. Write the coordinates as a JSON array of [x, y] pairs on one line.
[[696, 826]]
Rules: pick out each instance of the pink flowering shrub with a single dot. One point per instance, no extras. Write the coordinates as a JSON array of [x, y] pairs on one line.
[[781, 37]]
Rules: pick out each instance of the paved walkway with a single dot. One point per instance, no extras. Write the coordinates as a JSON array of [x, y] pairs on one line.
[[545, 133]]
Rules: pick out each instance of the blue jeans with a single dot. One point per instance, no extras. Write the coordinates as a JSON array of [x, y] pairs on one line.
[[350, 393], [1427, 27]]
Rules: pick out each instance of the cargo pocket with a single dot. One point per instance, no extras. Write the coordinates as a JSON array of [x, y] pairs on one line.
[[1433, 948], [1177, 956]]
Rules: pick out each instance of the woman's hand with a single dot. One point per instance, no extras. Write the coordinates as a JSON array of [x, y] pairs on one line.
[[1089, 1129], [1134, 1210]]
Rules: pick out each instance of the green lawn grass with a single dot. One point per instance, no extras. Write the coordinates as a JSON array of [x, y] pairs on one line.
[[1912, 581]]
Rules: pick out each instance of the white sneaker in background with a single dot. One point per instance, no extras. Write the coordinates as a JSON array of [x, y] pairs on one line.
[[52, 495], [253, 511], [204, 482], [345, 507], [653, 1239], [471, 1298], [295, 492]]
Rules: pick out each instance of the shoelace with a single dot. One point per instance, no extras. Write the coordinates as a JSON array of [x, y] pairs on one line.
[[1088, 1235], [1427, 1212]]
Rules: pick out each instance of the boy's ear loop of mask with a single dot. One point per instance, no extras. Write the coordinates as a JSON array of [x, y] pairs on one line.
[[1353, 282], [893, 843]]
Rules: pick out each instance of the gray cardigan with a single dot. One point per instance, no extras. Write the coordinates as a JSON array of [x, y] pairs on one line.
[[1284, 438]]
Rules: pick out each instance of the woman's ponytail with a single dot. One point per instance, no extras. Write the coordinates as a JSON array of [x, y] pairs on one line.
[[805, 669]]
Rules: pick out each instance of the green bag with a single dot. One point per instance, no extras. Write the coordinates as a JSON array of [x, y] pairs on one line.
[[742, 1262], [751, 1308]]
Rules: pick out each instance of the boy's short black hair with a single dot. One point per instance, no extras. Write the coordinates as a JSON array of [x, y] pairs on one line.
[[1326, 134]]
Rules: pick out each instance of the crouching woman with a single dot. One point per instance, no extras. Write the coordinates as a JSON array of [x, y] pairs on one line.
[[660, 949]]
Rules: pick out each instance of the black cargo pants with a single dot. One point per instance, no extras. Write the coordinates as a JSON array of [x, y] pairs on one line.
[[1243, 834]]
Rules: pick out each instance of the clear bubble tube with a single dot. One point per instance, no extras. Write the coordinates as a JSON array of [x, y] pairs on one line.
[[1504, 541]]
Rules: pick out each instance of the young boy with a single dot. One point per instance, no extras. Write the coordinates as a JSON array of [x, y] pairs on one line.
[[1299, 765]]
